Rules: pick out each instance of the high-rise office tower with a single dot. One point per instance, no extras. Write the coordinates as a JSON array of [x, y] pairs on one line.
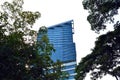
[[61, 36]]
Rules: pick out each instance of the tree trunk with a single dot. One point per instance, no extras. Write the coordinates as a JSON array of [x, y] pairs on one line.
[[116, 77]]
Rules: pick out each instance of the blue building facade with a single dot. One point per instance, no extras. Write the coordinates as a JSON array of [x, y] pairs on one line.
[[61, 36]]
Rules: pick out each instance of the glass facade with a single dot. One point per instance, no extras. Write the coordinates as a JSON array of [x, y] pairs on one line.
[[61, 36]]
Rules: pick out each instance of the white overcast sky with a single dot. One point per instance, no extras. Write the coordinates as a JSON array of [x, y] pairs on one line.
[[57, 11]]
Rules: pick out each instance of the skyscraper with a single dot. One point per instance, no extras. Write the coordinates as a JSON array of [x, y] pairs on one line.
[[61, 36]]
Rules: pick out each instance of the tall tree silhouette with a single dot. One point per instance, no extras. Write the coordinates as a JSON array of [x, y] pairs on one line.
[[104, 58]]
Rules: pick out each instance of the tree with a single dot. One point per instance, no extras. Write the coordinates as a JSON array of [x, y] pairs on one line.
[[105, 56], [101, 12], [21, 55], [16, 52]]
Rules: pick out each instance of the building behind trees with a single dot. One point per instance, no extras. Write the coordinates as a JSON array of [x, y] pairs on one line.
[[61, 36]]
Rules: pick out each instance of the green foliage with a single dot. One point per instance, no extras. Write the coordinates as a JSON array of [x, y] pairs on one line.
[[21, 56], [17, 50], [101, 12], [105, 56]]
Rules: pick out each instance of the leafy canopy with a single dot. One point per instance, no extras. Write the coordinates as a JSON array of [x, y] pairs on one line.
[[101, 12], [104, 58], [21, 55]]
